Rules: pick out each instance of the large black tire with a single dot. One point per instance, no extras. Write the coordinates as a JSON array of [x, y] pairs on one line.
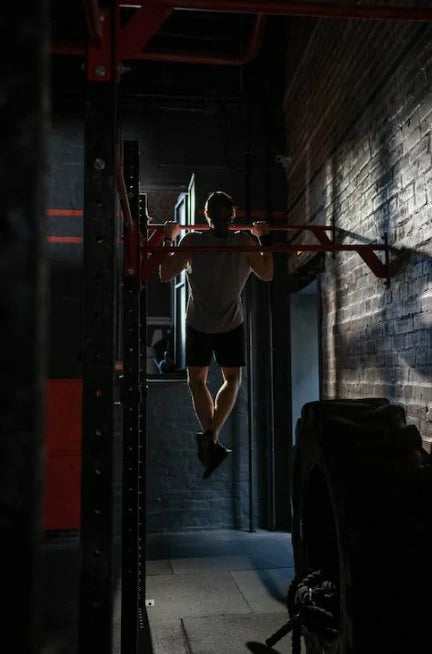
[[361, 501]]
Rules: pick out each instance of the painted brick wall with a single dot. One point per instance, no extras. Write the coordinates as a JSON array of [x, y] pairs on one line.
[[177, 496], [358, 120]]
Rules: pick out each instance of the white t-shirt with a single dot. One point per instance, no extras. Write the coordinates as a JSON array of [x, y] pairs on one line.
[[216, 281]]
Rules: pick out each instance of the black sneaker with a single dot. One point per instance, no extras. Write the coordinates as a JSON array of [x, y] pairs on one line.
[[204, 443], [218, 454]]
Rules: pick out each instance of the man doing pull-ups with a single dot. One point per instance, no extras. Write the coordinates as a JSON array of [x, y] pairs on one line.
[[214, 317]]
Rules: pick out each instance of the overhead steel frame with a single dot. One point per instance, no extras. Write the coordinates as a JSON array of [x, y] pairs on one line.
[[108, 45], [204, 58], [134, 34]]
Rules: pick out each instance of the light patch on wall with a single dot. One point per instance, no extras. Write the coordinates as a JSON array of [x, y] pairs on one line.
[[307, 205], [426, 307]]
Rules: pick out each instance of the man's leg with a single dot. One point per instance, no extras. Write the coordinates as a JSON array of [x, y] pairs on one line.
[[224, 402], [201, 398], [225, 398]]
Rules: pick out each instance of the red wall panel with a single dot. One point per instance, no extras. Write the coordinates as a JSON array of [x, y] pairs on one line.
[[62, 454]]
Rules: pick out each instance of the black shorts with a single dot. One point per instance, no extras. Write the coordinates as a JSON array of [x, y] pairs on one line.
[[228, 347]]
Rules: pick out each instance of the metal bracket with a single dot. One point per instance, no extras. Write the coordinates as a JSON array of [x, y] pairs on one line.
[[100, 46], [139, 29], [367, 253], [150, 260]]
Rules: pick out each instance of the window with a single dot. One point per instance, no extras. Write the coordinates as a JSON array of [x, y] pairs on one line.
[[179, 294], [184, 213], [161, 202]]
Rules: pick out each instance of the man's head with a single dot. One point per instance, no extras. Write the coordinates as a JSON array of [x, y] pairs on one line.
[[219, 211]]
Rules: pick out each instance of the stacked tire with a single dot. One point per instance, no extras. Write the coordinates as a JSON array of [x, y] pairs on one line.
[[361, 501]]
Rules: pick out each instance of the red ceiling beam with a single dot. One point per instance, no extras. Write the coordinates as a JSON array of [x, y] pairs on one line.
[[311, 9], [151, 15], [178, 57]]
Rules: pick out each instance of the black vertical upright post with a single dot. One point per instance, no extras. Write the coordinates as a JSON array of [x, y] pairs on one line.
[[142, 524], [270, 415], [267, 122], [23, 128], [99, 348], [251, 362], [282, 408], [131, 413]]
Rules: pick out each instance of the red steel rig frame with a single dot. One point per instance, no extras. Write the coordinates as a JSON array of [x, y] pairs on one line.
[[134, 35], [110, 42]]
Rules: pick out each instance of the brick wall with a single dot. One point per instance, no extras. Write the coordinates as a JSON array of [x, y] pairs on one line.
[[209, 140], [358, 118], [178, 498]]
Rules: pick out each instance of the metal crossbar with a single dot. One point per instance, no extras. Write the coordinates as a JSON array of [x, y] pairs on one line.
[[276, 248], [239, 228], [152, 253]]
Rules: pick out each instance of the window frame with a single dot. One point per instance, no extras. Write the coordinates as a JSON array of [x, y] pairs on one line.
[[184, 213]]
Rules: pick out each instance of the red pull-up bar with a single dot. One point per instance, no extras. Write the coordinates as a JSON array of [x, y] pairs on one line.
[[152, 253], [144, 253], [237, 228]]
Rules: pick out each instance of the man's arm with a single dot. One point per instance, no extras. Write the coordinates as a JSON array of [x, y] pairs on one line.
[[260, 262], [175, 262]]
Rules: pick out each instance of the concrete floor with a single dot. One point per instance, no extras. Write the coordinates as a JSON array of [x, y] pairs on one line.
[[214, 592], [217, 591]]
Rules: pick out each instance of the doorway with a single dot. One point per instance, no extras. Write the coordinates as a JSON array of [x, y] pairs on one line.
[[305, 349]]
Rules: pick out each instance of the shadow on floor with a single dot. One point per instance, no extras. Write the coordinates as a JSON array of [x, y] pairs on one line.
[[214, 592], [218, 591]]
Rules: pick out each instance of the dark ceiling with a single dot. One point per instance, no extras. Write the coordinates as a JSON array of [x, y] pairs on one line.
[[188, 32]]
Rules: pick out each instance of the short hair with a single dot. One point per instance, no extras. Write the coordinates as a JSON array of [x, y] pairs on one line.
[[219, 209]]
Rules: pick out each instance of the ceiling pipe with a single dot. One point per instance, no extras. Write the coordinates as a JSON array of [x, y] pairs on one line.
[[207, 59], [305, 9]]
